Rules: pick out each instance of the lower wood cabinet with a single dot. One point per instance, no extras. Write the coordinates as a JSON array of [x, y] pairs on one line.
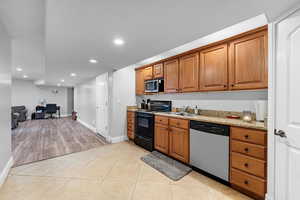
[[161, 138], [130, 124], [172, 137], [248, 161], [179, 144]]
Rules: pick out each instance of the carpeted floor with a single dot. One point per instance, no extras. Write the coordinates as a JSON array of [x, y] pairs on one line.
[[36, 140]]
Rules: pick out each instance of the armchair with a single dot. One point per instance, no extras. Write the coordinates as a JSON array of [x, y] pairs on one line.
[[22, 111]]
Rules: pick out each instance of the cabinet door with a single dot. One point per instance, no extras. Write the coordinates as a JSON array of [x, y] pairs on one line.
[[213, 68], [161, 136], [189, 73], [158, 71], [171, 74], [179, 144], [148, 73], [248, 62], [139, 82]]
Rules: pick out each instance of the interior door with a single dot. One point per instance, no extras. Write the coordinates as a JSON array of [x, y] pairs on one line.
[[102, 105], [287, 146]]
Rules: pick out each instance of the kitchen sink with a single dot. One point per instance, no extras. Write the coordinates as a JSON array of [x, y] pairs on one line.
[[183, 114]]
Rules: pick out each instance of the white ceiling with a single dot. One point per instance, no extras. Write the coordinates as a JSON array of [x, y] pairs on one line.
[[53, 38]]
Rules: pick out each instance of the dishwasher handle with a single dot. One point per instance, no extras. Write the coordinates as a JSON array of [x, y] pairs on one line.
[[217, 129]]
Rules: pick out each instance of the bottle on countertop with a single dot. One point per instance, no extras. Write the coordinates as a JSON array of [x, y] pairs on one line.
[[196, 111]]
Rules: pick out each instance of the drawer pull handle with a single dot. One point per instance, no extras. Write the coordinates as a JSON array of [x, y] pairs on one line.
[[246, 165], [246, 136], [246, 150], [246, 182]]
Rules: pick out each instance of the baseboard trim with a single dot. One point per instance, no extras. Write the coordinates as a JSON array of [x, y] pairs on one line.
[[6, 170], [87, 125], [117, 139]]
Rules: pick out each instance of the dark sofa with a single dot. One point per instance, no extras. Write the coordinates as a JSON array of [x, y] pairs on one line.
[[21, 111], [14, 120]]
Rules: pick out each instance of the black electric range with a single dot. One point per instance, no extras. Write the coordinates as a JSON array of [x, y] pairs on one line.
[[144, 130]]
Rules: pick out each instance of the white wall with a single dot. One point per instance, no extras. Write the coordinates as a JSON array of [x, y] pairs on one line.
[[25, 92], [225, 101], [85, 102], [123, 95], [5, 102]]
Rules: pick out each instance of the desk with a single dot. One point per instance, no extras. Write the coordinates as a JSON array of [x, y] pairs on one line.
[[43, 108]]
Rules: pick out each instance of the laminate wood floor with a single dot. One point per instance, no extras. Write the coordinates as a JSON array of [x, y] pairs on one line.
[[36, 140]]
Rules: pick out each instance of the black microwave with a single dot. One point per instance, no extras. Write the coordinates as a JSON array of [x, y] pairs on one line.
[[156, 85]]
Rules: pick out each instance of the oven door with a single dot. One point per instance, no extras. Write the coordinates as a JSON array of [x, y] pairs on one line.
[[151, 86], [145, 123]]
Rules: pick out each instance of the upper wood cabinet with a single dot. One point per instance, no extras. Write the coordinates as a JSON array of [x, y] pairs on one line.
[[158, 70], [171, 76], [214, 68], [248, 62], [189, 73], [139, 82], [148, 75]]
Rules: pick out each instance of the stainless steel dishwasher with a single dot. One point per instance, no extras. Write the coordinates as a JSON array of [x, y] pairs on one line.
[[209, 148]]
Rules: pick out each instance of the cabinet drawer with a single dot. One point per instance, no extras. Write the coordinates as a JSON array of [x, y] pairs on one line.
[[248, 182], [130, 114], [249, 135], [248, 164], [179, 123], [254, 150], [130, 134], [130, 126], [162, 120], [130, 120]]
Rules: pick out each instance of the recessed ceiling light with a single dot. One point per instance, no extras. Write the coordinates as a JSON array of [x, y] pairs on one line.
[[58, 84], [73, 74], [25, 76], [19, 69], [62, 80], [93, 61], [118, 41]]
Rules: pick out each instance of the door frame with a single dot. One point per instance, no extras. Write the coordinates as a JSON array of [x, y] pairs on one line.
[[271, 183]]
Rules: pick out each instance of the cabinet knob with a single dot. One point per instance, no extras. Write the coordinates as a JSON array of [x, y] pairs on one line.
[[246, 165], [246, 136], [232, 85], [246, 182], [225, 86], [246, 150]]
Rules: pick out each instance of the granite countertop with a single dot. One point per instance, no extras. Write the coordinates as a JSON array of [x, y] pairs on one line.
[[217, 120]]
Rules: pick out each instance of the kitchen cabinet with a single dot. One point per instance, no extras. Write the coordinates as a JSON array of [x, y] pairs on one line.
[[148, 73], [248, 62], [139, 82], [248, 161], [171, 76], [214, 68], [158, 71], [130, 124], [179, 144], [189, 73], [161, 137], [172, 137]]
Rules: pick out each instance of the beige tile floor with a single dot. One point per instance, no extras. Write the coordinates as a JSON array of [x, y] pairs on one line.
[[111, 172]]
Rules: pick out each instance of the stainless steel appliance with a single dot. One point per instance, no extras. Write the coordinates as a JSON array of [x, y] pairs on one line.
[[209, 148], [144, 134], [154, 85]]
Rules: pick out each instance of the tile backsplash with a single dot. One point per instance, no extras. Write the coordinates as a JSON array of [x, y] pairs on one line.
[[237, 101]]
